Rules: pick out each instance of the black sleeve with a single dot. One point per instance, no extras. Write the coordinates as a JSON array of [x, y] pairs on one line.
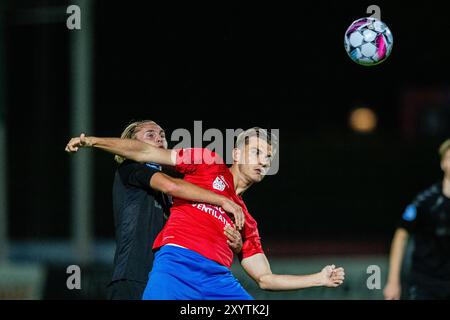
[[136, 174], [410, 216], [414, 214]]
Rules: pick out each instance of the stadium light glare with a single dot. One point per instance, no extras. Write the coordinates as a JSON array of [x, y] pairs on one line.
[[363, 120]]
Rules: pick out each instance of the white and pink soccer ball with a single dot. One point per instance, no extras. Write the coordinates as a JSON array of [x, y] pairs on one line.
[[368, 41]]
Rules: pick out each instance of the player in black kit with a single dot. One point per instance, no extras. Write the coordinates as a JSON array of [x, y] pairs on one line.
[[427, 220]]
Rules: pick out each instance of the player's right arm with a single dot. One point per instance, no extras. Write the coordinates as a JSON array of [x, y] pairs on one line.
[[392, 291], [128, 148], [258, 268]]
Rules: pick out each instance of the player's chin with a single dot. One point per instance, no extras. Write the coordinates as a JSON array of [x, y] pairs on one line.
[[257, 177]]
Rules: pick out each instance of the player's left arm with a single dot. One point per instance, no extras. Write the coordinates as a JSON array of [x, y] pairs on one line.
[[258, 268], [185, 190]]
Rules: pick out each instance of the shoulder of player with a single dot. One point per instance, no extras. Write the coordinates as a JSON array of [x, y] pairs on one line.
[[214, 162], [128, 163], [128, 168], [247, 213], [428, 194], [208, 155], [249, 217]]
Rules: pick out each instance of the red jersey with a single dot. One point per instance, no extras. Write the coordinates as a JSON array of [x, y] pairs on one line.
[[199, 226]]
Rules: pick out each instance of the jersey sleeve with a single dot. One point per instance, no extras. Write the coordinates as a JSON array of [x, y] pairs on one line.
[[409, 217], [191, 160], [414, 215], [136, 174], [251, 240]]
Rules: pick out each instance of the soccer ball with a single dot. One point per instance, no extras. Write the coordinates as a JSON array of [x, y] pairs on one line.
[[368, 41]]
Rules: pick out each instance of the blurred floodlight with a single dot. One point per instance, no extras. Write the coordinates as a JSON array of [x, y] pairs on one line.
[[363, 120]]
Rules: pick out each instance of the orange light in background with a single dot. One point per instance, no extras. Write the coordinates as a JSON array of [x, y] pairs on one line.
[[363, 120]]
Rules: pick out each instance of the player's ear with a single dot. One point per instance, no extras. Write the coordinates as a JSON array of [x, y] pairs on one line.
[[236, 155]]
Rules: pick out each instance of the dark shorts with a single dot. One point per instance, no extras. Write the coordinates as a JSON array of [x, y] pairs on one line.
[[126, 290]]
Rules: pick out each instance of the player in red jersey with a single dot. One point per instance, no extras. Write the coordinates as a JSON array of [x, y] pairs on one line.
[[193, 259]]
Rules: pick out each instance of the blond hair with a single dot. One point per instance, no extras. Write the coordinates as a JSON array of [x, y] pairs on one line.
[[445, 146], [244, 137], [130, 133]]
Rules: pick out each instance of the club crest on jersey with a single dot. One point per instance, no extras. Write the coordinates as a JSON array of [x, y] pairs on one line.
[[219, 184]]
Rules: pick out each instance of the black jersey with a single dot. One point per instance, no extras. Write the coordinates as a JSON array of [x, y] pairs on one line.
[[139, 215], [427, 219]]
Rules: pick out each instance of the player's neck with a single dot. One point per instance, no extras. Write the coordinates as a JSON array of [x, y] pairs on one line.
[[240, 183], [446, 186]]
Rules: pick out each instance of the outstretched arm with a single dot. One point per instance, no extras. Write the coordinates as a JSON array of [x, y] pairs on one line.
[[258, 268], [127, 148], [143, 152], [393, 288]]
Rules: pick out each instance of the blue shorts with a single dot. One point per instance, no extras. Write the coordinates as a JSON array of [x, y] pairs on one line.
[[182, 274]]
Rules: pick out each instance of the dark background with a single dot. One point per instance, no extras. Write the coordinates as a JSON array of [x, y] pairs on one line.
[[233, 66]]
